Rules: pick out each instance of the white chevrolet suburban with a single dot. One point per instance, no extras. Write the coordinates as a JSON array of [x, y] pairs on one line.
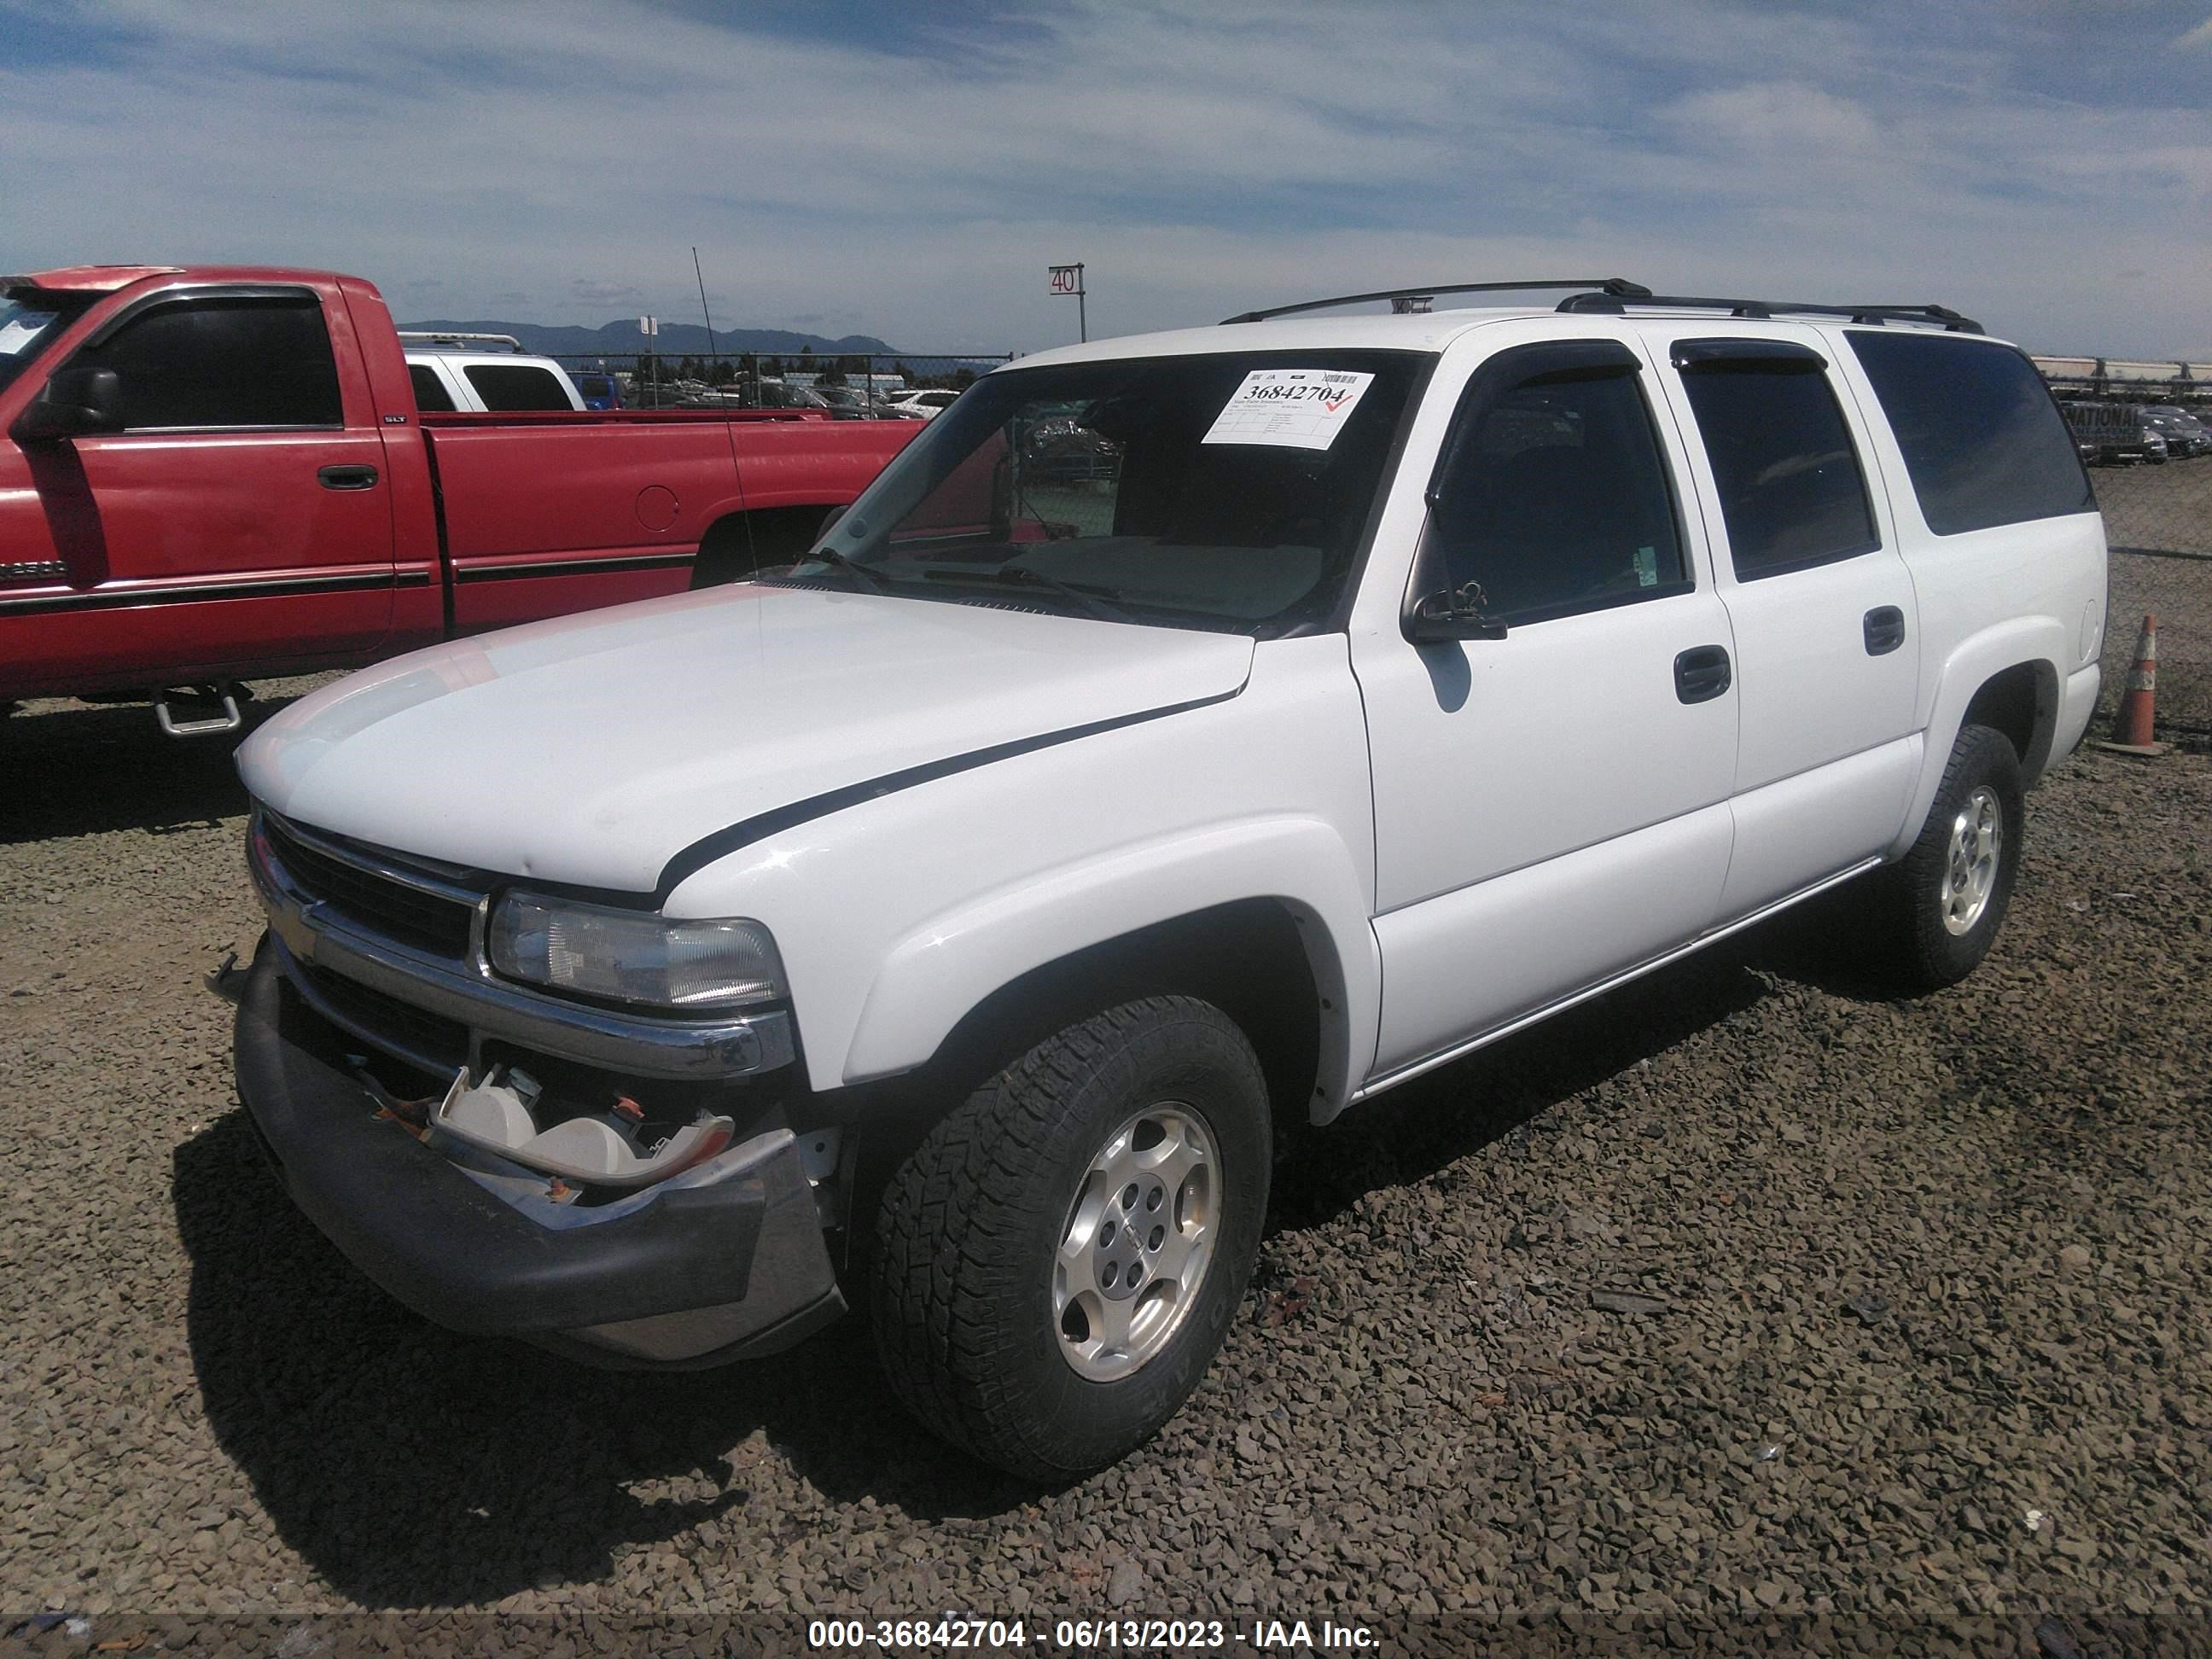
[[1187, 735]]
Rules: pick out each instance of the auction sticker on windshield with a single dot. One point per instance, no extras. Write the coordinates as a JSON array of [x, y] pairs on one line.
[[1290, 408]]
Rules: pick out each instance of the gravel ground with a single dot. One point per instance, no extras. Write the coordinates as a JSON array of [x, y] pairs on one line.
[[1739, 1296]]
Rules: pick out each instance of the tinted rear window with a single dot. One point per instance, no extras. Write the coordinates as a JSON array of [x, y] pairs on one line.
[[430, 390], [1982, 439], [507, 386]]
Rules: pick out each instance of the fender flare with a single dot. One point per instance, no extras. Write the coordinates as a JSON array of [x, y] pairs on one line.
[[930, 978], [2040, 641]]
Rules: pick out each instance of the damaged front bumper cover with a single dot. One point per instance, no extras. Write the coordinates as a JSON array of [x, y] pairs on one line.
[[682, 1275]]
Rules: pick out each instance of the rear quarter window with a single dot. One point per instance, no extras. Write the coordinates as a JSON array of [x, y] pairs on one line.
[[509, 387], [1982, 441]]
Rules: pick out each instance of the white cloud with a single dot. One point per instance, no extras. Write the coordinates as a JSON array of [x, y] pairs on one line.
[[1200, 157], [1785, 115], [586, 292]]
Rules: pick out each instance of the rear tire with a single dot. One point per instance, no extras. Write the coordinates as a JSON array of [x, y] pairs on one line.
[[1934, 915], [1130, 1148]]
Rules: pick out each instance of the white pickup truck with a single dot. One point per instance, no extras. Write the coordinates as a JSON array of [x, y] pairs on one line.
[[1186, 734]]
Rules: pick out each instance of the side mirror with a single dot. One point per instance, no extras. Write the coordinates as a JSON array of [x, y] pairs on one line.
[[1459, 613], [75, 401], [831, 518]]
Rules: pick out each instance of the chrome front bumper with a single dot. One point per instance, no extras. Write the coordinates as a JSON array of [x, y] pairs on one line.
[[316, 938]]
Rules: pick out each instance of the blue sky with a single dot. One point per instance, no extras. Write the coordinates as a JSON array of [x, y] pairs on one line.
[[909, 170]]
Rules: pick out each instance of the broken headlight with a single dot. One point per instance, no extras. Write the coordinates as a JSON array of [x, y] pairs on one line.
[[634, 956]]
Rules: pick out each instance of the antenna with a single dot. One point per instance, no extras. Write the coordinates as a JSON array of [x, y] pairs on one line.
[[712, 350], [729, 432]]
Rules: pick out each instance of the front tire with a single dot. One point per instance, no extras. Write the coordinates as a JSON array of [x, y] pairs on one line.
[[1058, 1262], [1936, 912]]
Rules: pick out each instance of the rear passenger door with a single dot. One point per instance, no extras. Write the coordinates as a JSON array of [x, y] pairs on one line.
[[1821, 606]]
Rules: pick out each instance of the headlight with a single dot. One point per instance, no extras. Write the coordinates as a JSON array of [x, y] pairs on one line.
[[634, 956]]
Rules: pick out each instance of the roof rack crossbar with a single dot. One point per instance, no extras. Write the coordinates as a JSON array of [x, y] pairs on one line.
[[1615, 305], [446, 336], [1616, 288]]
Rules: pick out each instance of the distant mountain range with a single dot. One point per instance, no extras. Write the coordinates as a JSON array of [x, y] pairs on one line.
[[621, 338]]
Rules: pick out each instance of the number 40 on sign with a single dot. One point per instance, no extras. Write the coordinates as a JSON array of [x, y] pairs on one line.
[[1068, 279]]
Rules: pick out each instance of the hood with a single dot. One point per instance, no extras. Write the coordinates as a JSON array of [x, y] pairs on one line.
[[592, 749]]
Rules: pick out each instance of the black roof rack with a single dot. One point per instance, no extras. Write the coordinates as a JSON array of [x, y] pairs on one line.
[[1613, 296], [1615, 288], [1611, 304]]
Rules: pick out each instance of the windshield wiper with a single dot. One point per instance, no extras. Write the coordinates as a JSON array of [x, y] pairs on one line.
[[837, 561], [1022, 576]]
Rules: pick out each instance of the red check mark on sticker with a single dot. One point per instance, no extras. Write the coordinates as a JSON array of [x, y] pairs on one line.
[[1331, 404]]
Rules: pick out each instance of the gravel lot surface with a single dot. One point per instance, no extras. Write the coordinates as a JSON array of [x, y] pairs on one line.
[[1738, 1295]]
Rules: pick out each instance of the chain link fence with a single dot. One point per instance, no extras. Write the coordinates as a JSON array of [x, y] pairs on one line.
[[2178, 592], [855, 385], [2158, 519], [2158, 509]]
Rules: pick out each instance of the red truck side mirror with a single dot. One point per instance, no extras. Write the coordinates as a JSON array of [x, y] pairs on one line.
[[74, 401]]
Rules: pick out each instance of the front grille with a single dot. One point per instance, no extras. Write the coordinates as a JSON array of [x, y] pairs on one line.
[[406, 914], [424, 1036]]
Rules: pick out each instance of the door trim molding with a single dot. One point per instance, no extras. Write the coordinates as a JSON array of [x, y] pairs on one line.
[[1482, 1040], [199, 590]]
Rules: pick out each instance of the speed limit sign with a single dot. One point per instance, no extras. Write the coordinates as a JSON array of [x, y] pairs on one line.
[[1068, 279]]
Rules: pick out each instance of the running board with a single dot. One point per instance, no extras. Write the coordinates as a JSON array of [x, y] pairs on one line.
[[229, 720], [1497, 1033]]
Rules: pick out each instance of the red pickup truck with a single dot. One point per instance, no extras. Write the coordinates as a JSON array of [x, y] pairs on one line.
[[212, 474]]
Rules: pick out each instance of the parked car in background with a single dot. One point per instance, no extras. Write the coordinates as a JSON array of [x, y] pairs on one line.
[[929, 402], [2120, 433], [2184, 432], [483, 374], [846, 402], [598, 389], [770, 392], [214, 474]]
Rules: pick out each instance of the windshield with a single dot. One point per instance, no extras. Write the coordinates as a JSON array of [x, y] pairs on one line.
[[1227, 491], [29, 323]]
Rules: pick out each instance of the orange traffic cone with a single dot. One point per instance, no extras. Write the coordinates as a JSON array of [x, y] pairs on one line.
[[2132, 729]]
